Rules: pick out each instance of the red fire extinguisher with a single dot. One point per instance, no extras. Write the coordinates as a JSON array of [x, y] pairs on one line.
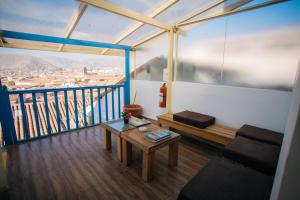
[[163, 96]]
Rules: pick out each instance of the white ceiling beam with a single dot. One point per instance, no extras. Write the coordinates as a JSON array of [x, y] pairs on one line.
[[190, 16], [78, 12], [126, 13], [65, 49], [128, 32], [256, 6]]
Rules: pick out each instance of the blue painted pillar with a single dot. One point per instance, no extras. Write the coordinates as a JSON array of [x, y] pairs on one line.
[[6, 117], [127, 78]]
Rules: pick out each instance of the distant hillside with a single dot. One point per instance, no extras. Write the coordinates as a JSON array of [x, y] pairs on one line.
[[25, 63], [11, 62]]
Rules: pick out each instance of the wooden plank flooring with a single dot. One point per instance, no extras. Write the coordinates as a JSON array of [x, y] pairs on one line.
[[76, 166]]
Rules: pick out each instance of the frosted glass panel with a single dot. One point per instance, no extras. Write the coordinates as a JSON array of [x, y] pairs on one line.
[[260, 49], [201, 53], [151, 59], [264, 52]]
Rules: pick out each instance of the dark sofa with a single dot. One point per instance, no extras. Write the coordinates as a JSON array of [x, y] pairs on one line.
[[246, 171], [223, 180]]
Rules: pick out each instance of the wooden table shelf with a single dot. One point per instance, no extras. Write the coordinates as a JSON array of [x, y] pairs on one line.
[[215, 133]]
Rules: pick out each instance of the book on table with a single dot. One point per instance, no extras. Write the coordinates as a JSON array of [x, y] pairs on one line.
[[158, 136]]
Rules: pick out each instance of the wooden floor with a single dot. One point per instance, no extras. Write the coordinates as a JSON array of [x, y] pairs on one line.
[[75, 166]]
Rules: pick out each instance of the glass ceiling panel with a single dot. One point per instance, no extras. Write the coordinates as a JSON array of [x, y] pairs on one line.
[[140, 34], [141, 6], [181, 9], [36, 16], [100, 25]]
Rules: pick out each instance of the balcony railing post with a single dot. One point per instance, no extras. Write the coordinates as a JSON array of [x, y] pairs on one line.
[[57, 111], [47, 113], [127, 78], [99, 105], [92, 105], [83, 107], [6, 117], [106, 104], [113, 102], [36, 114], [119, 102]]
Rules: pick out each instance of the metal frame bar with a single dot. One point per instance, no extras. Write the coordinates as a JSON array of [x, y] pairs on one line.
[[59, 40]]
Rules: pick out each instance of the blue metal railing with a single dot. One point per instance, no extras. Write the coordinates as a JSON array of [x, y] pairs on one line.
[[50, 110]]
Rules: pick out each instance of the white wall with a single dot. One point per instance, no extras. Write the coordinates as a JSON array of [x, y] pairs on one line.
[[287, 178], [232, 106], [147, 96]]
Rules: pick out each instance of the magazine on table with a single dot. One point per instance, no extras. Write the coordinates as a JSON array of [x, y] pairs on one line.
[[134, 121], [158, 136]]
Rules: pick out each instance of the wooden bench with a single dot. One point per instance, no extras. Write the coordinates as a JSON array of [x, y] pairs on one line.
[[216, 133]]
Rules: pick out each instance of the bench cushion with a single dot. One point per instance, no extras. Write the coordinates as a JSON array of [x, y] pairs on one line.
[[258, 155], [224, 180], [194, 119], [260, 134]]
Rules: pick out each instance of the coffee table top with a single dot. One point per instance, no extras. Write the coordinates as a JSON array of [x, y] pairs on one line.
[[117, 126], [137, 138]]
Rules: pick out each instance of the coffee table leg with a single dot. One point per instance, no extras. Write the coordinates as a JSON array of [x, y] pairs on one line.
[[147, 165], [127, 152], [119, 149], [173, 154], [107, 138]]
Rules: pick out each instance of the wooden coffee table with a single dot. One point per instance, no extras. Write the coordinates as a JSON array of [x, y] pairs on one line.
[[136, 138], [117, 127]]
